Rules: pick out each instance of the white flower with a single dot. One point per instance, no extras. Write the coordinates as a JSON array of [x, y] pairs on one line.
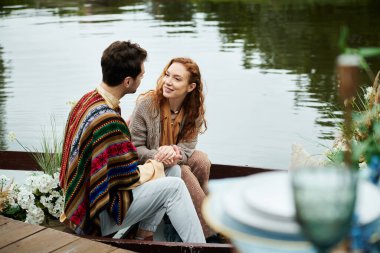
[[58, 207], [45, 201], [368, 93], [12, 195], [32, 181], [41, 182], [4, 181], [56, 176], [46, 183], [53, 202], [55, 194], [34, 215], [12, 136], [25, 198]]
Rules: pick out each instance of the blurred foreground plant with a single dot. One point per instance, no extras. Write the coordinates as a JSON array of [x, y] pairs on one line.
[[360, 133], [365, 136]]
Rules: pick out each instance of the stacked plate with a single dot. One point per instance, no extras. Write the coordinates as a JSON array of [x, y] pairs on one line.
[[257, 212]]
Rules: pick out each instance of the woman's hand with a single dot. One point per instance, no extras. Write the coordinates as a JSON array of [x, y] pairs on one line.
[[177, 157], [168, 155], [165, 153]]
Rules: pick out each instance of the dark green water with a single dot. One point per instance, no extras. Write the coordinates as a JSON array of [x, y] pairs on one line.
[[269, 66]]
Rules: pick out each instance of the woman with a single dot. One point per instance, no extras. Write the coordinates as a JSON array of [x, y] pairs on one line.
[[165, 126]]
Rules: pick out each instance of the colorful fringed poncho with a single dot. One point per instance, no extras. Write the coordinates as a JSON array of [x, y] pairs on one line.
[[98, 159]]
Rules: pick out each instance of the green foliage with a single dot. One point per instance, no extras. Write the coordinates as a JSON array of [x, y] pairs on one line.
[[49, 155], [14, 212], [365, 137], [360, 137], [367, 134]]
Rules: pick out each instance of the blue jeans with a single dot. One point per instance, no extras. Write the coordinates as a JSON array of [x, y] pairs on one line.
[[151, 201]]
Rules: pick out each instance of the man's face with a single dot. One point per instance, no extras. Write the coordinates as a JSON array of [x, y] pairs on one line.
[[135, 82]]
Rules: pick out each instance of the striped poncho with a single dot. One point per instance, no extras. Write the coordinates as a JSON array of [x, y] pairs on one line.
[[98, 159]]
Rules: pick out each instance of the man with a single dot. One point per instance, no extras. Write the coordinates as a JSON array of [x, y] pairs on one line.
[[99, 162]]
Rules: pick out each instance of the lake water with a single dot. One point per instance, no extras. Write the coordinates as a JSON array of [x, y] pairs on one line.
[[268, 67]]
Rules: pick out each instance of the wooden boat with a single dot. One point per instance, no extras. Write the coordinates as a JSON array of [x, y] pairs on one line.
[[15, 160]]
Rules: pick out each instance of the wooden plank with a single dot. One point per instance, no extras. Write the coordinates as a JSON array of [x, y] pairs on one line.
[[44, 241], [4, 220], [13, 231], [84, 245], [17, 236], [165, 247], [219, 171], [16, 160], [116, 250]]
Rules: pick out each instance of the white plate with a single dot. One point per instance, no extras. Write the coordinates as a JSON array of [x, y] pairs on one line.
[[245, 239], [270, 194], [236, 207]]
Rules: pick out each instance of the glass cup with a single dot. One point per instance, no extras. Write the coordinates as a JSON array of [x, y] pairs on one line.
[[324, 201]]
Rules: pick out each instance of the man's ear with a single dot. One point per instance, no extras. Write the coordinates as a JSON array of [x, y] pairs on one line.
[[127, 81], [191, 87]]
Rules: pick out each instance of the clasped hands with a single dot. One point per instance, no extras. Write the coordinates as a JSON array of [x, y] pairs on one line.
[[168, 155]]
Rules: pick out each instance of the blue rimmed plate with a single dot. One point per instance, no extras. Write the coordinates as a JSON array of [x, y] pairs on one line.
[[245, 237], [263, 202]]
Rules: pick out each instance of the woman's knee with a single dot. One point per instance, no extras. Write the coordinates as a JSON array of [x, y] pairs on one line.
[[200, 166], [199, 160], [185, 170]]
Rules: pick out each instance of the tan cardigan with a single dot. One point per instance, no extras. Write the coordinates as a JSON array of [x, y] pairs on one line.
[[145, 130]]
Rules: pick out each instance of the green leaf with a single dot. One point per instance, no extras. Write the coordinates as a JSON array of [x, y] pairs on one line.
[[369, 51], [15, 212], [343, 38]]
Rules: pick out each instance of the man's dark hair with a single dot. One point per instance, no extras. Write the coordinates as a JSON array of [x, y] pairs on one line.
[[122, 59]]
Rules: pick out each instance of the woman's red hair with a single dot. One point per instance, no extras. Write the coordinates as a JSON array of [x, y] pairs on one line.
[[193, 104]]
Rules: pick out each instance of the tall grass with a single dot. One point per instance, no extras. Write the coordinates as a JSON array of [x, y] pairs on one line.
[[49, 155]]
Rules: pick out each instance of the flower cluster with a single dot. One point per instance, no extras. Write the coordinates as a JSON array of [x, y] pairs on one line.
[[38, 199]]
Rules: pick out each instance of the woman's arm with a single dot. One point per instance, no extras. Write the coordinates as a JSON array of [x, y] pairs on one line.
[[187, 149], [140, 122]]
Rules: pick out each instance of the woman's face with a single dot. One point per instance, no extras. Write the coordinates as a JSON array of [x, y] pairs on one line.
[[176, 82]]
